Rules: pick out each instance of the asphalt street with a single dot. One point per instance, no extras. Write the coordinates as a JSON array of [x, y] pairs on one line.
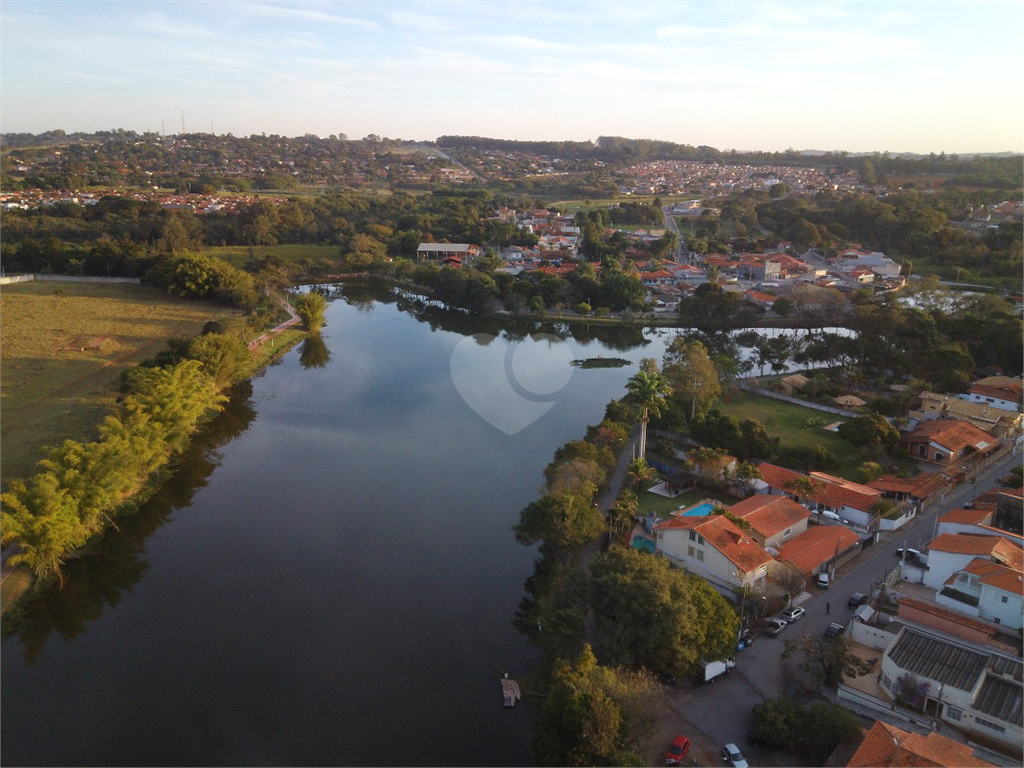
[[721, 710]]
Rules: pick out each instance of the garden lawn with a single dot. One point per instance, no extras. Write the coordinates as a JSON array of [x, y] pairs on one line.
[[52, 388], [787, 422]]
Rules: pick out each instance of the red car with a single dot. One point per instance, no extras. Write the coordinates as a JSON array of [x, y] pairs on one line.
[[677, 750]]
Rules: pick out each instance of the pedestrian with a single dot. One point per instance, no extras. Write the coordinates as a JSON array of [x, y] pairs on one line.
[[828, 607]]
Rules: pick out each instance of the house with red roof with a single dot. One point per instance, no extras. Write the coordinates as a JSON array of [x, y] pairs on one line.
[[986, 589], [819, 549], [946, 441], [712, 547], [772, 519], [949, 553], [922, 490], [886, 746], [997, 391]]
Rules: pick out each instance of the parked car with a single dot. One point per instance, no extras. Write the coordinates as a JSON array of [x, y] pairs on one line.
[[775, 626], [912, 556], [792, 614], [857, 599], [822, 580], [732, 756], [667, 678], [833, 630], [677, 750]]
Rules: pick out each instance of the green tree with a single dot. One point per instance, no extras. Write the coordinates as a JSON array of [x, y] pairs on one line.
[[691, 376], [565, 522], [311, 307], [869, 429], [224, 357], [593, 715], [647, 612], [620, 516], [826, 660]]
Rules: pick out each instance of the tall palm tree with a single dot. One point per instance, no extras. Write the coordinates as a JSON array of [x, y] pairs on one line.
[[640, 471], [647, 392]]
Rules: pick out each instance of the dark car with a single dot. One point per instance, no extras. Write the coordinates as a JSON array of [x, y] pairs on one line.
[[833, 630], [667, 678], [857, 600], [677, 750]]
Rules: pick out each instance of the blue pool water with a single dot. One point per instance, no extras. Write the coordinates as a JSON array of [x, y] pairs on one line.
[[643, 544], [704, 508]]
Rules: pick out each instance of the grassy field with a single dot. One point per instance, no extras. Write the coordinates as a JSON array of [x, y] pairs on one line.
[[52, 388], [238, 255], [786, 421]]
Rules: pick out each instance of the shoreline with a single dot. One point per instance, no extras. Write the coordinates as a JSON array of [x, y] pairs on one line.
[[18, 584]]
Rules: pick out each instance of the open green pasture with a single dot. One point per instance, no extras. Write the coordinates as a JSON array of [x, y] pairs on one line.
[[62, 351]]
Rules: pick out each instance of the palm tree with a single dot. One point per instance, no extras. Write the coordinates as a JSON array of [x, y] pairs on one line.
[[746, 472], [647, 392], [621, 514], [640, 471]]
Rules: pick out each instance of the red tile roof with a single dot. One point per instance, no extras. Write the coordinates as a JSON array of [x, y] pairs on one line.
[[816, 545], [996, 548], [777, 477], [769, 515], [967, 516], [919, 486], [718, 531], [886, 746], [952, 435]]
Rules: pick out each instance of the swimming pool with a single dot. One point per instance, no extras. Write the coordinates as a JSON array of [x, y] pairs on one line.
[[643, 544], [703, 508]]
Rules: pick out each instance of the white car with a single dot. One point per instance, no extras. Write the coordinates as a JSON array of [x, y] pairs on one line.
[[775, 626], [792, 614], [732, 756]]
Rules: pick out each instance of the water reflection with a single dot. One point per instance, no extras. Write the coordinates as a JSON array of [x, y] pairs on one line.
[[314, 352], [114, 564]]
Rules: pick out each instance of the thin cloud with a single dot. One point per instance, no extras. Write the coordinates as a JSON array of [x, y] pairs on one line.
[[305, 14]]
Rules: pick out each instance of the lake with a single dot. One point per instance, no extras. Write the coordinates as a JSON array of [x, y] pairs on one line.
[[331, 575]]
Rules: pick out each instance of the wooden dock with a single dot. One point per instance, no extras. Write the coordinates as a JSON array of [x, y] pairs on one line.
[[510, 692]]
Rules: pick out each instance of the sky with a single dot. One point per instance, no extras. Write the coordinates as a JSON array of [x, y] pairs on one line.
[[856, 76]]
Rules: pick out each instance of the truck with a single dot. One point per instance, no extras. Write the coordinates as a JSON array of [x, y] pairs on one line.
[[714, 669]]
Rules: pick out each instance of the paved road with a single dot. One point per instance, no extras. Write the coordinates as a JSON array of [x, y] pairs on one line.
[[721, 710]]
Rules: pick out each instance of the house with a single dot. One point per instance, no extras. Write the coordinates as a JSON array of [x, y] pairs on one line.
[[952, 552], [922, 490], [988, 590], [757, 267], [925, 614], [772, 519], [441, 251], [978, 521], [997, 391], [853, 502], [946, 441], [712, 547], [998, 422], [885, 746], [820, 549], [793, 383], [776, 480], [849, 401], [973, 689]]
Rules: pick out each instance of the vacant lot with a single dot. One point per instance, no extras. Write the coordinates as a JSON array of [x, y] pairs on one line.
[[787, 422], [62, 350]]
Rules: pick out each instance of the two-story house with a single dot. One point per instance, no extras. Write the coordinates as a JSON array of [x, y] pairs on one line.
[[712, 547]]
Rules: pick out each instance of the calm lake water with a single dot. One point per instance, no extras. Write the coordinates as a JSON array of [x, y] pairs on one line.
[[330, 577]]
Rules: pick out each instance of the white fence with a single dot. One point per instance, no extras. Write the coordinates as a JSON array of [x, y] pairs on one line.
[[6, 279]]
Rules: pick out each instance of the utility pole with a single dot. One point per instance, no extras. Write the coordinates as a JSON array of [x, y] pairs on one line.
[[183, 122]]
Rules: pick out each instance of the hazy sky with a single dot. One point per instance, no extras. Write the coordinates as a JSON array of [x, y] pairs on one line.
[[897, 76]]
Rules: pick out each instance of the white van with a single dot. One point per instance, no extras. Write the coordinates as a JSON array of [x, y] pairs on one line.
[[823, 580]]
